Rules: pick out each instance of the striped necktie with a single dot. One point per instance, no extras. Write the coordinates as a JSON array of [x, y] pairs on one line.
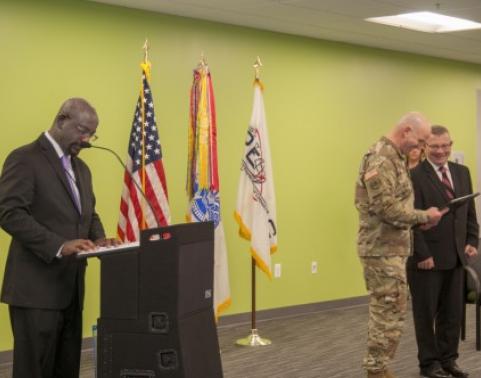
[[67, 166], [446, 182]]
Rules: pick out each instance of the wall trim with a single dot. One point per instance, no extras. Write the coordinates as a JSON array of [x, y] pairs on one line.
[[284, 312], [6, 357]]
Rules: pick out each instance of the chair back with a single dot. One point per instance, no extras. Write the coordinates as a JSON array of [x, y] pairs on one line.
[[473, 277]]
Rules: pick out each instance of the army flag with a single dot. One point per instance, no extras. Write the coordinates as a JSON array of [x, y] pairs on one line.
[[144, 165], [203, 178], [256, 204]]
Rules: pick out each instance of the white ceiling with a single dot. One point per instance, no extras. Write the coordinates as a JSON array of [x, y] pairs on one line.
[[337, 20]]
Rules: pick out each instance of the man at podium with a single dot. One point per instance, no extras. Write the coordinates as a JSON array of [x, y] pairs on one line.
[[47, 205]]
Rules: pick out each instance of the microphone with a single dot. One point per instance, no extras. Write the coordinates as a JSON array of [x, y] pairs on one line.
[[84, 144]]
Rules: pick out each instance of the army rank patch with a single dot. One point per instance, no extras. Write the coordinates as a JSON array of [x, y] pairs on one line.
[[369, 175]]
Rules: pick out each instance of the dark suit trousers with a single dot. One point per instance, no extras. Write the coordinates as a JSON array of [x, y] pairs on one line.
[[437, 311], [46, 342]]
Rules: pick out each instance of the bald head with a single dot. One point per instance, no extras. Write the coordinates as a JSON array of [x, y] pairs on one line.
[[73, 108], [75, 122], [416, 120], [411, 131]]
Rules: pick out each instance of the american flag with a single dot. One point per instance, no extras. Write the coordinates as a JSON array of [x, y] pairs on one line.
[[144, 165]]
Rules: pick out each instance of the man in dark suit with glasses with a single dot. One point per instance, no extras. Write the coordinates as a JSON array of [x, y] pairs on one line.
[[47, 205], [435, 271]]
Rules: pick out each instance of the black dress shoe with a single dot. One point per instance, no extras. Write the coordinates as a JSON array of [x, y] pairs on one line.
[[455, 371], [434, 372]]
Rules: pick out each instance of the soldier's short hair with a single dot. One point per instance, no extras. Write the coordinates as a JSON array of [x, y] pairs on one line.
[[439, 130]]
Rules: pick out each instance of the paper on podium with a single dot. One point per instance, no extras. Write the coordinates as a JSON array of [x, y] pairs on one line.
[[102, 251], [459, 201]]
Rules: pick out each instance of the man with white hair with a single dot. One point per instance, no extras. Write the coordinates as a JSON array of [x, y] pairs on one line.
[[385, 201]]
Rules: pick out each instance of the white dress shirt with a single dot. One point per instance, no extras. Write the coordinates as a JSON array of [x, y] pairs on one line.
[[440, 175]]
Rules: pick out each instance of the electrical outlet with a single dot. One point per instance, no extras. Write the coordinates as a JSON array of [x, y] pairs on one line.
[[277, 270], [314, 267]]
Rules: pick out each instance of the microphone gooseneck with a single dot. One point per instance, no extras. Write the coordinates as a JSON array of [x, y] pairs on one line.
[[89, 145]]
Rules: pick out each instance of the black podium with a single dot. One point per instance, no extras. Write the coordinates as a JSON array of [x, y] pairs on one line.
[[156, 312]]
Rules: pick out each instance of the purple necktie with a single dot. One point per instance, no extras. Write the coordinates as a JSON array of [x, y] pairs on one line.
[[446, 182], [67, 165]]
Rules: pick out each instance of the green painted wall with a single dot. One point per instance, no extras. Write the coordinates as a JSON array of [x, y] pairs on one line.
[[326, 103]]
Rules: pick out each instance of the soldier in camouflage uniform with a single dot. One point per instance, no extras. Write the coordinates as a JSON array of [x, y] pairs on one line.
[[385, 201]]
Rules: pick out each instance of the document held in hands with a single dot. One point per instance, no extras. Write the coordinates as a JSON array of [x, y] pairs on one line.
[[459, 201]]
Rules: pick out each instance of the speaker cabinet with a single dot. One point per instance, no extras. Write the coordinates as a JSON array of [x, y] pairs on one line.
[[156, 317]]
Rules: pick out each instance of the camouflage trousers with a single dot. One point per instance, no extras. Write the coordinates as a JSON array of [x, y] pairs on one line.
[[388, 295]]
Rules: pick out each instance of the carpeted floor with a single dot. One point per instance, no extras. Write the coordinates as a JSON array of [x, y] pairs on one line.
[[328, 344]]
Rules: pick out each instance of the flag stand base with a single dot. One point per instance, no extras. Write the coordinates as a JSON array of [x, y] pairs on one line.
[[253, 340]]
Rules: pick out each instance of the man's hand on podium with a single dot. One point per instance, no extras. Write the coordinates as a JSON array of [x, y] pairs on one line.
[[107, 242], [72, 247], [105, 246]]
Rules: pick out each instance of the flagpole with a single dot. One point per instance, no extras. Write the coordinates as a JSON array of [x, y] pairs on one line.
[[202, 66], [254, 339], [253, 294], [142, 111], [257, 68], [146, 49]]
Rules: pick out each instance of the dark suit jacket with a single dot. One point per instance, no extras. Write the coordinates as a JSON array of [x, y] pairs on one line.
[[38, 211], [445, 242]]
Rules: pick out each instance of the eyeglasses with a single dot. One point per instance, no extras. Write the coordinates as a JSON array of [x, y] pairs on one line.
[[86, 132], [440, 146]]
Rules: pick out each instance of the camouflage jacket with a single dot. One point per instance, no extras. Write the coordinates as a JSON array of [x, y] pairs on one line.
[[385, 201]]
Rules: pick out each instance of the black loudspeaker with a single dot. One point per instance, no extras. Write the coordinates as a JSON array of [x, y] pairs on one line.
[[156, 316]]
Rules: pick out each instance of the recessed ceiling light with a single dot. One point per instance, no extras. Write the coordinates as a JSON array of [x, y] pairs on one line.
[[427, 22]]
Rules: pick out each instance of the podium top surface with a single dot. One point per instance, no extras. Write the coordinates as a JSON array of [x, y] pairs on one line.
[[185, 233], [103, 251]]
